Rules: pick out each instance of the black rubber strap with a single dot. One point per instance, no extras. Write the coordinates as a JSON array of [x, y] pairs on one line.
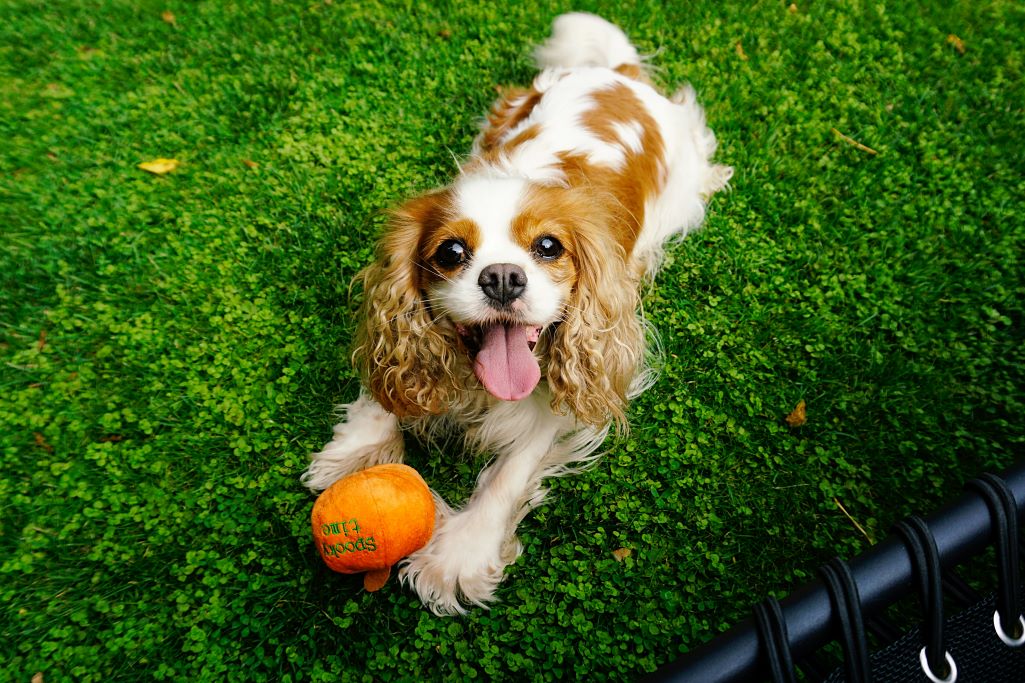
[[772, 632], [843, 593], [925, 567], [1004, 514]]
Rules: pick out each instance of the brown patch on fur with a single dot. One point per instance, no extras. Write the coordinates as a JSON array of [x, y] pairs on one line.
[[463, 229], [493, 155], [555, 212], [642, 174], [407, 227], [409, 362], [507, 113], [634, 71]]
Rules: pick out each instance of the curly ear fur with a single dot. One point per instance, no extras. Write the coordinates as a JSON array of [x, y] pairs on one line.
[[405, 359], [599, 346]]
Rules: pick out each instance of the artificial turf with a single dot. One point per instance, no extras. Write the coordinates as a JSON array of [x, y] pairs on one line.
[[172, 346]]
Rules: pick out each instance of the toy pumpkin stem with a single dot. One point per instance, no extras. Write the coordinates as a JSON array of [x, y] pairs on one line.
[[375, 579]]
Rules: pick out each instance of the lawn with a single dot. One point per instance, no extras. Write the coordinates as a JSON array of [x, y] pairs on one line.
[[172, 345]]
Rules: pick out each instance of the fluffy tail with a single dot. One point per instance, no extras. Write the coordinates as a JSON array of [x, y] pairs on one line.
[[582, 39]]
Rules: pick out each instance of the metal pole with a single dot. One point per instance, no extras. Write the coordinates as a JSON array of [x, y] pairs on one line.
[[883, 574]]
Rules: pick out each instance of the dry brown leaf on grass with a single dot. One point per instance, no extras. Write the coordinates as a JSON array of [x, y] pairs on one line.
[[956, 42], [250, 163], [740, 51], [42, 442], [797, 416], [621, 554], [160, 166], [37, 678], [168, 17]]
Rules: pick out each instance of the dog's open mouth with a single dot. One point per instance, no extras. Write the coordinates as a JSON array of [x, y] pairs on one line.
[[503, 357]]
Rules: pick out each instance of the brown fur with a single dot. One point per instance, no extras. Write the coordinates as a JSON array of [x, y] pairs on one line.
[[409, 362], [642, 174], [598, 346], [507, 113], [433, 236]]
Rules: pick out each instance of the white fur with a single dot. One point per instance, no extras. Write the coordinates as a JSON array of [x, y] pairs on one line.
[[581, 39], [466, 558], [368, 435]]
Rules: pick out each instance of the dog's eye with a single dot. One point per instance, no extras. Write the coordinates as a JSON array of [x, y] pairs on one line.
[[548, 248], [451, 254]]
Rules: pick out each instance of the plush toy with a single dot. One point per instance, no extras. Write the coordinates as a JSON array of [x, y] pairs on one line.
[[368, 521]]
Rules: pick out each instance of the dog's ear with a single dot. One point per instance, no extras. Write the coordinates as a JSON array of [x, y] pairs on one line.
[[404, 358], [599, 346]]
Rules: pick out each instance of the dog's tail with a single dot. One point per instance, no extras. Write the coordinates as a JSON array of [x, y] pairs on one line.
[[582, 39]]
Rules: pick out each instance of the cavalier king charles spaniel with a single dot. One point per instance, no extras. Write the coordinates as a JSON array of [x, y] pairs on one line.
[[504, 308]]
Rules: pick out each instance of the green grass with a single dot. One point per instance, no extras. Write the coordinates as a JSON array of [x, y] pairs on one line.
[[151, 521]]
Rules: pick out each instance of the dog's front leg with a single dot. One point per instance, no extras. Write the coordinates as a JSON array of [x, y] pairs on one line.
[[369, 435], [465, 560]]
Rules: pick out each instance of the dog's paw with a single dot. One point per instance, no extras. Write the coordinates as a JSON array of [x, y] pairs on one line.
[[463, 563], [368, 436]]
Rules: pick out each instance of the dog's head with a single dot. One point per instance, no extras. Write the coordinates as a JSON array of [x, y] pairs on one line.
[[496, 282]]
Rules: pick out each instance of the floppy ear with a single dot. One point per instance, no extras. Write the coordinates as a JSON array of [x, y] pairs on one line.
[[599, 346], [405, 360]]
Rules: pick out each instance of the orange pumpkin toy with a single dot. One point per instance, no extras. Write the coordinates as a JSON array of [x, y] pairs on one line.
[[369, 520]]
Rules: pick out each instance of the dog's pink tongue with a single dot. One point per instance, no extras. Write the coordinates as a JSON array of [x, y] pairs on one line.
[[505, 365]]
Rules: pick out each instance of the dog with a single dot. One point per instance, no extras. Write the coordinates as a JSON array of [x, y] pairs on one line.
[[504, 308]]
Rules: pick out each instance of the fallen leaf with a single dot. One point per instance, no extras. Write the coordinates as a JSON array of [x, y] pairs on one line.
[[42, 340], [42, 442], [38, 678], [445, 33], [797, 416], [111, 438], [792, 9], [250, 163], [375, 580], [160, 166], [169, 18], [621, 554], [956, 42], [740, 51]]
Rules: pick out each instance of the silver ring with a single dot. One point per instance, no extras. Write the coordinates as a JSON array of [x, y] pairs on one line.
[[1008, 640], [951, 677]]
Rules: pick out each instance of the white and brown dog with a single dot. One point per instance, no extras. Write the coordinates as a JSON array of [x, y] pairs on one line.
[[504, 307]]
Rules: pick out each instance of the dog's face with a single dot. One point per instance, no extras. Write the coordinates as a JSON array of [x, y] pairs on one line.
[[501, 271], [498, 283]]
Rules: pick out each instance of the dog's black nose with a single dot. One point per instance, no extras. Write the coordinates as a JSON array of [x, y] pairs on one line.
[[503, 283]]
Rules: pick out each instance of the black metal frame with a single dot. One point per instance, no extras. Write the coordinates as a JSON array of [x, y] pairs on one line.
[[883, 575]]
